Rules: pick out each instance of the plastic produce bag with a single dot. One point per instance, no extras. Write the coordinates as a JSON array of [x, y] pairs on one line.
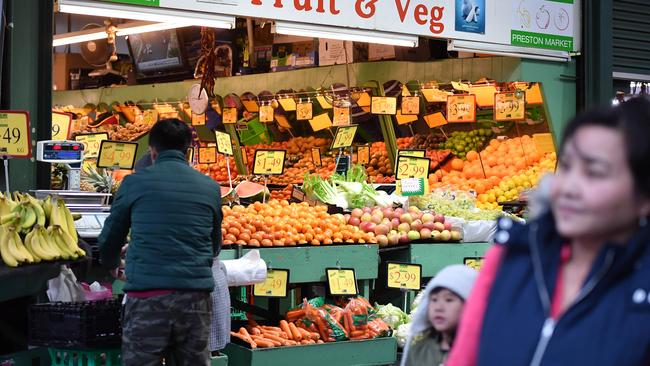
[[96, 291], [479, 231], [247, 270], [65, 288]]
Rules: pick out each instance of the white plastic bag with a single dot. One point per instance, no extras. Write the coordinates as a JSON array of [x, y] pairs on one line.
[[65, 287], [479, 231], [247, 270]]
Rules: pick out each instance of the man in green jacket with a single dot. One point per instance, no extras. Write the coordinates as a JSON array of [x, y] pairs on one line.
[[174, 216]]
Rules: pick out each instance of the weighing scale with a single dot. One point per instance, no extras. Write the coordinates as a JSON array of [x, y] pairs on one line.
[[93, 207]]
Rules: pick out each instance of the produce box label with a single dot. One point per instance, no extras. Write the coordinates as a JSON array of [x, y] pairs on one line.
[[198, 119], [275, 285], [266, 113], [315, 156], [384, 105], [61, 123], [341, 116], [117, 154], [344, 136], [435, 120], [461, 108], [475, 262], [412, 167], [207, 155], [341, 281], [363, 155], [410, 105], [320, 122], [224, 143], [509, 107], [15, 139], [304, 111], [288, 104], [91, 142], [416, 153], [269, 162], [403, 119], [404, 276], [229, 116]]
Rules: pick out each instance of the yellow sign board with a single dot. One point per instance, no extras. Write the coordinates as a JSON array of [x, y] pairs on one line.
[[269, 162], [117, 154], [224, 143], [435, 95], [404, 276], [229, 116], [207, 155], [509, 107], [344, 136], [461, 108], [414, 153], [91, 142], [320, 122], [403, 119], [251, 106], [275, 285], [412, 167], [198, 119], [384, 105], [61, 123], [341, 116], [304, 111], [364, 100], [15, 138], [363, 154], [435, 120], [288, 104], [323, 102], [484, 95], [341, 281]]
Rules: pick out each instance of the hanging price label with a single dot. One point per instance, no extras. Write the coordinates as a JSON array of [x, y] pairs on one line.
[[363, 155], [229, 116], [224, 143], [266, 113], [315, 156], [269, 162], [15, 138], [341, 281], [344, 136], [384, 105], [412, 167], [117, 154], [288, 104], [341, 116], [533, 92], [323, 102], [509, 107], [364, 100], [404, 276], [207, 155], [435, 95], [282, 121], [320, 122], [416, 153], [403, 119], [61, 123], [304, 111], [410, 105], [276, 284], [484, 94], [475, 263], [435, 120], [251, 106], [544, 142], [91, 142], [461, 108], [198, 119]]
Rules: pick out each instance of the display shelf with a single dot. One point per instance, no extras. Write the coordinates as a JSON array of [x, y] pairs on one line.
[[380, 351], [26, 280], [221, 360]]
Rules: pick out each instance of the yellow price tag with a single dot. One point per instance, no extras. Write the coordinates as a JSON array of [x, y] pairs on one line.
[[117, 154], [282, 121], [251, 106], [323, 102], [484, 95], [304, 111], [198, 119], [414, 153], [364, 100], [15, 139], [461, 108], [275, 285], [363, 155], [341, 116], [341, 281], [435, 120], [320, 122], [189, 155], [61, 123], [475, 263], [150, 117], [207, 155], [266, 113], [229, 116], [269, 162], [412, 167], [435, 95], [315, 156], [344, 136], [384, 105], [509, 107], [410, 105], [288, 104], [224, 143], [404, 276], [91, 142], [533, 92], [544, 142], [403, 119]]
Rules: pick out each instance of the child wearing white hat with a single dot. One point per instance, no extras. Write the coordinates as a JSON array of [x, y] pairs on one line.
[[436, 319]]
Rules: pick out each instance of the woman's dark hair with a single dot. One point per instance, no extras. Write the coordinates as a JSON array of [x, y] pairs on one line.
[[632, 120], [170, 134]]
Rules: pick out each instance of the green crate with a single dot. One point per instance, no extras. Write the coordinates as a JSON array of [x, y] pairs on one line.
[[97, 357], [257, 133], [239, 294]]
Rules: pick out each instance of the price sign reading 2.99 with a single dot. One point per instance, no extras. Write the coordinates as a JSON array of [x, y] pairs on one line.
[[404, 276], [117, 154], [269, 162], [341, 281], [15, 140], [91, 142], [276, 284], [412, 167], [344, 136]]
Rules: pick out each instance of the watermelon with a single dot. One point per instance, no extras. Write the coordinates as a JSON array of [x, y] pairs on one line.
[[250, 192], [228, 195]]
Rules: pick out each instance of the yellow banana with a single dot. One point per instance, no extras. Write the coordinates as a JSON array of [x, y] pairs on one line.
[[38, 210], [28, 218], [19, 244], [63, 248], [71, 229], [9, 218], [28, 245], [14, 250], [45, 241], [47, 206], [55, 216], [9, 260], [38, 248], [70, 242]]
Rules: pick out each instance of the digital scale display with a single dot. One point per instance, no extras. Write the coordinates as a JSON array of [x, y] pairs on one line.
[[59, 151]]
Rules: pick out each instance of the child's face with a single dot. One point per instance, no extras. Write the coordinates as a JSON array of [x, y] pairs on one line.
[[444, 310]]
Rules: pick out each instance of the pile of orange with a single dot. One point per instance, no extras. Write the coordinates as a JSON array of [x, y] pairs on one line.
[[280, 223], [218, 171]]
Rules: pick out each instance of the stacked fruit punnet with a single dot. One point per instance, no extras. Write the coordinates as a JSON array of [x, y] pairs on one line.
[[28, 216], [279, 223]]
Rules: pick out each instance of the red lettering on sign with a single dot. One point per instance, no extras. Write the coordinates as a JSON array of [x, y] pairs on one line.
[[306, 6], [436, 26], [418, 13], [333, 9], [401, 11], [256, 2], [278, 4], [370, 7]]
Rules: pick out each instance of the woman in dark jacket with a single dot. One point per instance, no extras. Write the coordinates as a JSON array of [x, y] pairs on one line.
[[573, 286]]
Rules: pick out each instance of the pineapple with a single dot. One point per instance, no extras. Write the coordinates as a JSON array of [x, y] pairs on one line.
[[100, 179]]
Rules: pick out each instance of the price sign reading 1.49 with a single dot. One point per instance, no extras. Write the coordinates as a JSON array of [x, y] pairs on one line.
[[92, 142], [276, 284], [404, 276], [117, 154], [14, 134], [344, 136], [461, 108], [269, 162], [509, 106], [412, 167], [341, 281]]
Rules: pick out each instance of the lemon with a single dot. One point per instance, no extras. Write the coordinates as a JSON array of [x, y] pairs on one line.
[[501, 199], [491, 197]]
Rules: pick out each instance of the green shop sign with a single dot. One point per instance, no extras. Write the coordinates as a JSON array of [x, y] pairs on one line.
[[137, 2], [541, 40]]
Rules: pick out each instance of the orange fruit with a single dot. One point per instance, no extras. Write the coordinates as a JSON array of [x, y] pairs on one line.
[[472, 155], [457, 164]]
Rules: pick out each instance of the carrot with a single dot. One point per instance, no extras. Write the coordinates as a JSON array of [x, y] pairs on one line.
[[264, 344], [255, 331], [285, 328], [275, 338], [244, 332], [315, 336], [294, 331], [357, 333], [273, 329], [320, 341], [348, 319], [264, 339], [304, 341], [293, 315], [245, 339], [292, 343], [304, 333]]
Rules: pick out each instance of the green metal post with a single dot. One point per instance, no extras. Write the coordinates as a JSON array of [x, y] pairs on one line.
[[598, 52], [386, 122]]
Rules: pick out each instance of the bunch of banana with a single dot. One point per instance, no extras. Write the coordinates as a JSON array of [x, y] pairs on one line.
[[67, 246], [12, 249], [61, 216], [25, 214], [6, 205]]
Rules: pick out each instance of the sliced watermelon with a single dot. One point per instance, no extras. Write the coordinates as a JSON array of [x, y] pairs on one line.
[[250, 192], [228, 195]]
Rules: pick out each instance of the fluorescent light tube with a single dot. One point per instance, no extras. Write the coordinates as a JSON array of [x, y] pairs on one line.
[[345, 34], [123, 29], [78, 37], [506, 50], [151, 14]]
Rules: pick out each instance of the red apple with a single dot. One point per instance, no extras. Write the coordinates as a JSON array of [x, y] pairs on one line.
[[435, 235], [413, 235], [354, 221], [366, 217], [382, 229], [416, 225], [394, 223], [407, 218], [448, 226], [429, 225], [398, 212], [425, 233], [357, 212], [388, 212], [438, 226], [377, 218], [367, 210], [403, 238], [404, 228], [439, 218], [427, 217], [382, 240], [393, 238]]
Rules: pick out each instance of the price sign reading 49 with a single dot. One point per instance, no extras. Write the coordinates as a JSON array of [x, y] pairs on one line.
[[117, 154], [404, 276], [276, 284], [412, 167], [61, 123], [269, 162], [14, 134], [341, 281]]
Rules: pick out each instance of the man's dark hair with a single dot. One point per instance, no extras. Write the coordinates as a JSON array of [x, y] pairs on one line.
[[170, 134]]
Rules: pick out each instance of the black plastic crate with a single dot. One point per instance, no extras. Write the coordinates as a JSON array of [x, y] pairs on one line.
[[78, 325]]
